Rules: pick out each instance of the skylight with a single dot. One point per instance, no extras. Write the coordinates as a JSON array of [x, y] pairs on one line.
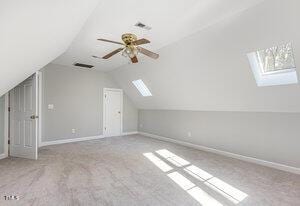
[[143, 89], [274, 66]]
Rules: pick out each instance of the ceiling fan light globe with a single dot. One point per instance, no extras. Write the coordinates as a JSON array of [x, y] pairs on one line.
[[131, 55], [135, 51], [127, 50], [124, 54]]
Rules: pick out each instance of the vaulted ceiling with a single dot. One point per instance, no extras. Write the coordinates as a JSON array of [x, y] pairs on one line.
[[35, 32], [209, 70], [171, 20], [202, 46]]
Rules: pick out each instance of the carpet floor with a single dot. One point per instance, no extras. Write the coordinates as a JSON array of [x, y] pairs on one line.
[[136, 170]]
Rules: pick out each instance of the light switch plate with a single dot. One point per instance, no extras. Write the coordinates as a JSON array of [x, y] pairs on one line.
[[51, 106]]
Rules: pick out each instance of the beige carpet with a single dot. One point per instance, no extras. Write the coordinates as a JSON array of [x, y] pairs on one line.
[[135, 170]]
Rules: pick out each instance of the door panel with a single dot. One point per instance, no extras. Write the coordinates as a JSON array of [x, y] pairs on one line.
[[28, 133], [17, 132], [28, 98], [23, 127], [113, 104]]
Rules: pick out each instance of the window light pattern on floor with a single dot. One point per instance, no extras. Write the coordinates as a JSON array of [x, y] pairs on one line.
[[198, 194], [158, 162], [174, 159], [231, 193], [198, 173], [215, 184]]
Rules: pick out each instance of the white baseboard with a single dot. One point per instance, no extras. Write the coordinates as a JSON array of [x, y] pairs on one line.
[[286, 168], [80, 139], [63, 141], [129, 133], [2, 156]]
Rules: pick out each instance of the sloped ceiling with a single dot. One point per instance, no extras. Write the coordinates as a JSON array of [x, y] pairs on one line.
[[170, 20], [209, 70], [34, 32]]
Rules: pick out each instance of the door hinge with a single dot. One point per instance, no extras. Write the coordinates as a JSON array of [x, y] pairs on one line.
[[105, 96], [104, 128], [8, 141], [9, 109]]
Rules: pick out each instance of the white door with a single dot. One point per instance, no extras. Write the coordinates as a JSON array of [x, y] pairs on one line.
[[113, 106], [23, 119]]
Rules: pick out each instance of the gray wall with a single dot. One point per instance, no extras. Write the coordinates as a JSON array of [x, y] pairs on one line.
[[130, 115], [2, 109], [209, 71], [267, 136], [77, 96]]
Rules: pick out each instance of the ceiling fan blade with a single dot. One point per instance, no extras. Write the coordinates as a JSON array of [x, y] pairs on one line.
[[134, 59], [115, 42], [141, 41], [112, 53], [148, 53]]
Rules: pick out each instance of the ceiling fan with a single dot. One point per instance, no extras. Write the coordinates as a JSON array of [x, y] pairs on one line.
[[131, 48]]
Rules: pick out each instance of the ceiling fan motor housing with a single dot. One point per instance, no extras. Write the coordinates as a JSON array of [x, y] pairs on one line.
[[129, 38]]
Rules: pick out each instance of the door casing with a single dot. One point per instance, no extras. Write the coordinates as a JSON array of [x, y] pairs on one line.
[[38, 112], [105, 91]]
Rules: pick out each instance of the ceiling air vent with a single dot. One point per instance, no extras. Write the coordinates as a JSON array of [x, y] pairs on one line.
[[143, 26], [83, 65]]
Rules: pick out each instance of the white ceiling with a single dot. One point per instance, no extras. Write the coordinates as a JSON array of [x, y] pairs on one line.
[[209, 70], [34, 32], [171, 20]]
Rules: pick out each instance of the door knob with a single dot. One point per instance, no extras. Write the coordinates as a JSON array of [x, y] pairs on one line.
[[34, 117], [119, 112]]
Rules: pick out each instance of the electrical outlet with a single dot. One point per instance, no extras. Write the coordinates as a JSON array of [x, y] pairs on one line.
[[189, 134], [73, 131]]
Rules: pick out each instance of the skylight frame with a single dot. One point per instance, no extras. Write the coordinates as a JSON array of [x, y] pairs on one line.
[[272, 78], [142, 88]]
